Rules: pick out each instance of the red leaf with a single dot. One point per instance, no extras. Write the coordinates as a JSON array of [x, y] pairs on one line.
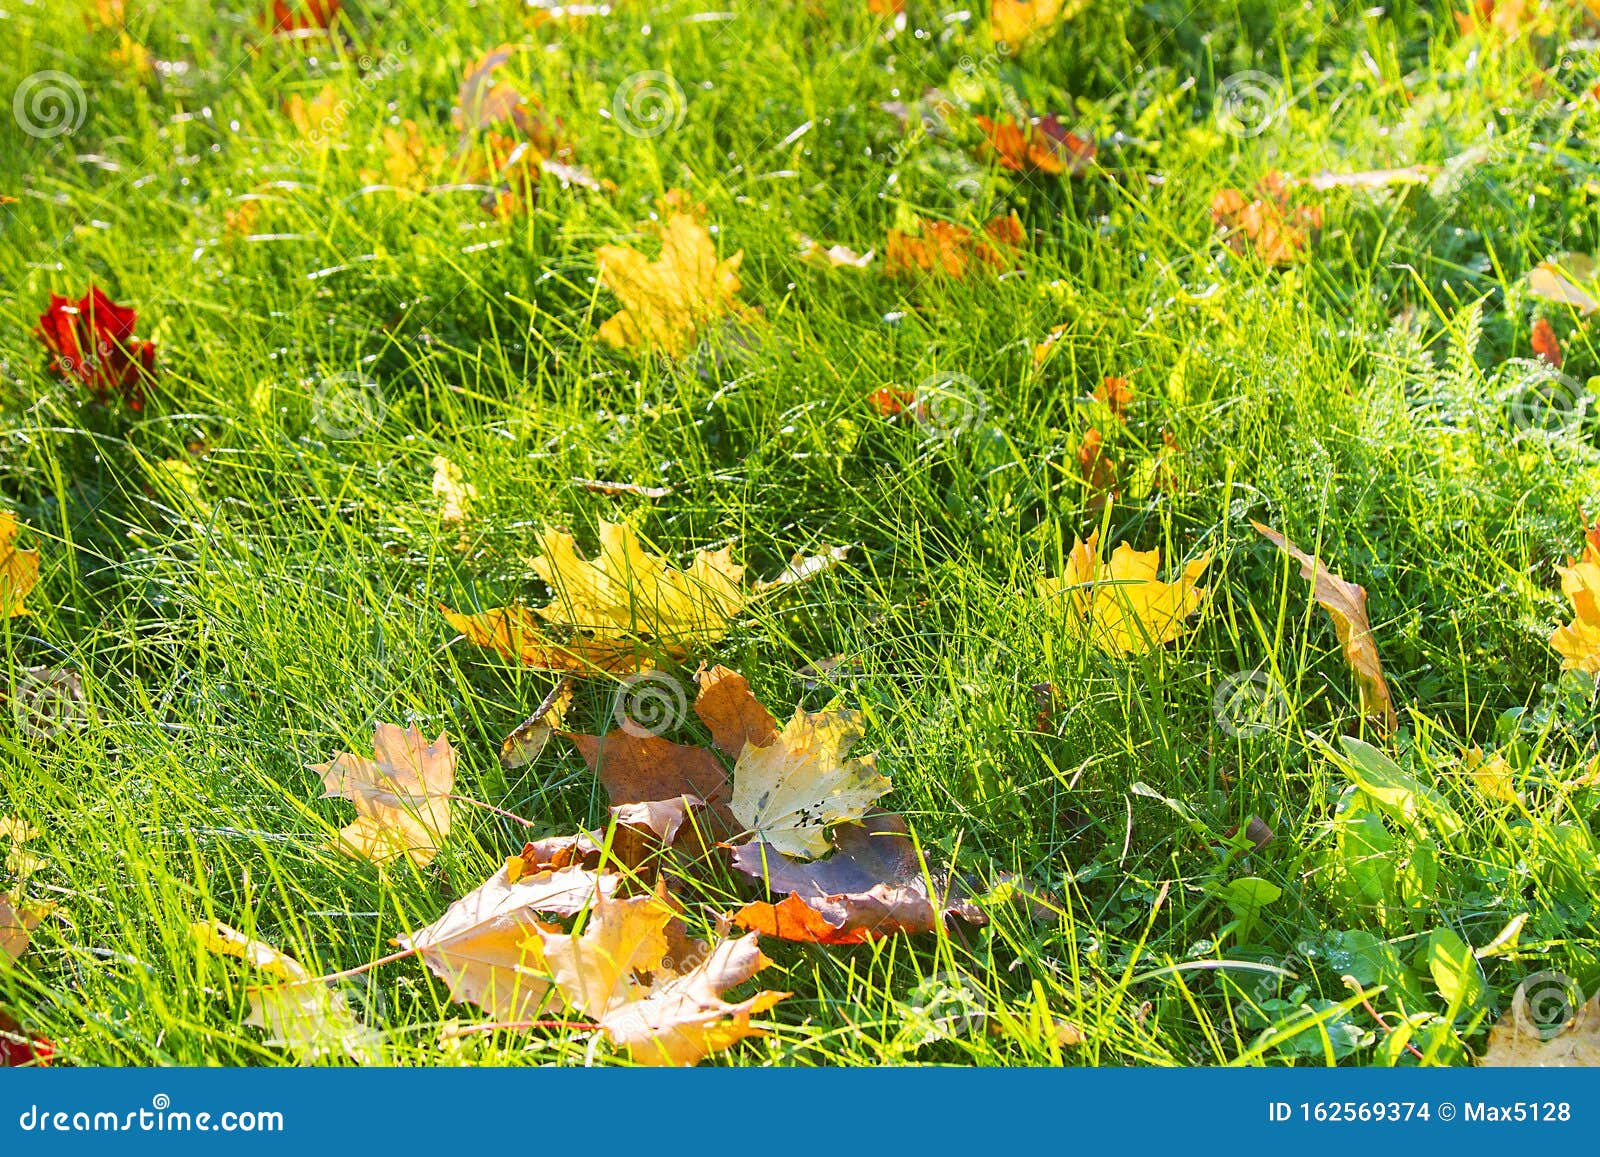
[[92, 342]]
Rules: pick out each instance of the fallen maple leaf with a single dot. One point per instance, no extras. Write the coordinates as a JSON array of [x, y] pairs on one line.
[[1039, 145], [640, 768], [666, 302], [608, 609], [92, 342], [401, 795], [1278, 232], [320, 118], [891, 400], [484, 947], [1569, 279], [1346, 604], [1116, 394], [1015, 22], [681, 1017], [734, 716], [481, 100], [1122, 605], [789, 791], [952, 250], [874, 885], [300, 1012], [1578, 642], [19, 569], [1517, 1041]]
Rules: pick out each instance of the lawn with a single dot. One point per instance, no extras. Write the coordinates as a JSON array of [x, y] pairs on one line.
[[1143, 274]]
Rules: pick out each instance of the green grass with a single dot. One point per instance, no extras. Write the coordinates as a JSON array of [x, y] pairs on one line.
[[231, 631]]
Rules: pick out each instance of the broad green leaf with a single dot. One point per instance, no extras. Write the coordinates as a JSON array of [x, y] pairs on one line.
[[1397, 791]]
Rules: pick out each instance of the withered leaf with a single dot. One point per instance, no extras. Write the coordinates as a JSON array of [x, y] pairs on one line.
[[642, 768], [1346, 604], [734, 716], [1517, 1042], [874, 885], [402, 795], [480, 947], [525, 744]]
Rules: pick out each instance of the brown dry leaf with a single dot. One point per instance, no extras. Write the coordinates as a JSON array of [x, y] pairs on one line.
[[607, 609], [681, 1019], [1278, 232], [19, 569], [299, 1013], [733, 715], [666, 302], [1516, 1041], [1122, 604], [482, 101], [401, 795], [1041, 145], [1015, 22], [524, 745], [1569, 279], [952, 250], [485, 946], [1578, 642], [612, 489], [644, 768], [787, 792], [874, 885], [1116, 394], [1346, 604]]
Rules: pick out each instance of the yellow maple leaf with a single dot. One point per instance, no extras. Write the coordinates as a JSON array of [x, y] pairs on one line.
[[450, 486], [320, 118], [608, 607], [1015, 22], [667, 301], [482, 948], [1123, 605], [402, 796], [1578, 643], [300, 1012], [19, 569], [786, 792], [680, 1017]]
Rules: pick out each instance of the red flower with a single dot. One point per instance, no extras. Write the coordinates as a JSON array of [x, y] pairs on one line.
[[93, 342]]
